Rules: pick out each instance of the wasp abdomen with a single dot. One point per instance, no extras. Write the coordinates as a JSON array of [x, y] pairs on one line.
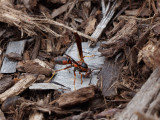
[[62, 60]]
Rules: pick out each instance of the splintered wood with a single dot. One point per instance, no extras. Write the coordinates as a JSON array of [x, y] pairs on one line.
[[119, 41], [143, 100], [18, 87]]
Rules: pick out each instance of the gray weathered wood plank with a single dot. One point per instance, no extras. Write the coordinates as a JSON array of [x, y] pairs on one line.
[[9, 66]]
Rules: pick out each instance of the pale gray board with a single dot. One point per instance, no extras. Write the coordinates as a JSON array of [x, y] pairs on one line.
[[66, 77], [9, 66], [46, 86]]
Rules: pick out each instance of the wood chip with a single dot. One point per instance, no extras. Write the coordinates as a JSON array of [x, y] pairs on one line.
[[14, 56], [76, 97], [109, 76], [60, 10], [19, 87], [26, 55], [36, 49], [35, 68], [5, 83]]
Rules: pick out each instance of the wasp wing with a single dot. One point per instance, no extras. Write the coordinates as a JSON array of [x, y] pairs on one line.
[[79, 46]]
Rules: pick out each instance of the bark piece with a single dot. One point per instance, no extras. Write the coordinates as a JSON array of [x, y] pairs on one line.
[[36, 68], [143, 99], [26, 55], [116, 28], [60, 10], [58, 1], [107, 113], [19, 87], [156, 30], [88, 115], [49, 46], [145, 12], [14, 56], [109, 76], [120, 40], [36, 49], [43, 44], [76, 97], [10, 103], [9, 66], [5, 83]]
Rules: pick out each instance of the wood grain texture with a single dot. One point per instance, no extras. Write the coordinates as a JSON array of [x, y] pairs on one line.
[[145, 100], [9, 66], [76, 97], [19, 87]]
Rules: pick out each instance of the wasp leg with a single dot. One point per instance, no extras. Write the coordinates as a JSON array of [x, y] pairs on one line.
[[81, 77], [89, 56], [57, 71], [64, 68], [74, 78], [51, 77], [88, 73]]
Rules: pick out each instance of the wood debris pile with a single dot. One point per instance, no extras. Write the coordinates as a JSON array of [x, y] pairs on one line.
[[33, 32]]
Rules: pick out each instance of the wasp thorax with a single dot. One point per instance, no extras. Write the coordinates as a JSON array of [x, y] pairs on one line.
[[84, 65]]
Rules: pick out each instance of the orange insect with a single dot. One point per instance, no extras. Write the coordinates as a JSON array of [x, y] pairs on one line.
[[80, 66]]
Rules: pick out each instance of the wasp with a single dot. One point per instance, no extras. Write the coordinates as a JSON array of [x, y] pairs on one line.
[[80, 65]]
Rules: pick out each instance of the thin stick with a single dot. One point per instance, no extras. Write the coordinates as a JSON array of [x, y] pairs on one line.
[[103, 7], [69, 28]]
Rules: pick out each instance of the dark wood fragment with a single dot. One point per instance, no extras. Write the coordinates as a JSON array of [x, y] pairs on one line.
[[26, 55], [5, 83], [43, 44], [109, 76], [36, 48], [76, 97], [156, 30], [35, 68], [116, 28], [10, 103], [14, 56], [88, 115], [107, 113], [119, 41]]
